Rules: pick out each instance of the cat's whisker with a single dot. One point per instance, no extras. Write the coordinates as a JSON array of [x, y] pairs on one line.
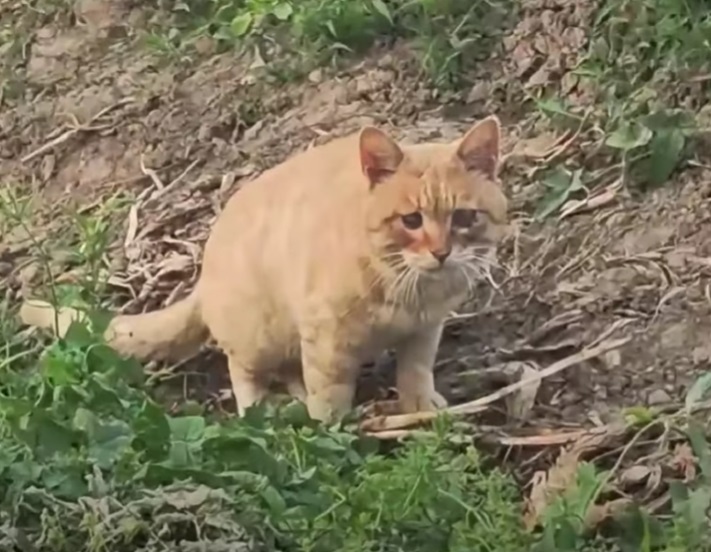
[[483, 272], [464, 257], [491, 262], [475, 270], [387, 275], [411, 291], [393, 291], [467, 279]]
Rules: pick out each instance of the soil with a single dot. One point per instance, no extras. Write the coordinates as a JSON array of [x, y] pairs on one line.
[[94, 114]]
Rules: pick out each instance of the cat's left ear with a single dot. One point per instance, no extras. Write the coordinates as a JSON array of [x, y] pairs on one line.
[[380, 156], [479, 150]]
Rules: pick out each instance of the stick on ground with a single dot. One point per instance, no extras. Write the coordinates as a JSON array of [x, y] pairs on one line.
[[403, 421]]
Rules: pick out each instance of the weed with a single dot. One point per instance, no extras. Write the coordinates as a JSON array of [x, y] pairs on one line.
[[299, 36], [645, 66], [86, 452]]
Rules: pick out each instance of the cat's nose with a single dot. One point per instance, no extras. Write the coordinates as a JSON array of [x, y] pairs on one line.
[[441, 255]]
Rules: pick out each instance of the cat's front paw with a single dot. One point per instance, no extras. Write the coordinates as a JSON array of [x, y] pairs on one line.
[[423, 401]]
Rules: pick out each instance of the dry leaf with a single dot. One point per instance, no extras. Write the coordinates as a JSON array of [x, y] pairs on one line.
[[597, 513], [684, 461], [561, 476], [592, 202], [537, 147], [547, 486], [634, 475], [520, 404]]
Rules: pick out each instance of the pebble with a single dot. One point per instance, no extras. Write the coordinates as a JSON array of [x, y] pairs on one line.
[[657, 397]]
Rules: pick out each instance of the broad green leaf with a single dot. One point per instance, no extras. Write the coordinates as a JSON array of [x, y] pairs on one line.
[[152, 430], [560, 184], [296, 414], [383, 10], [52, 437], [679, 494], [187, 428], [640, 531], [701, 447], [667, 147], [111, 441], [108, 439], [283, 11], [23, 473], [699, 503], [327, 444], [668, 120], [155, 474], [246, 479], [84, 420], [554, 106], [240, 24], [64, 482], [79, 335], [698, 391], [186, 435], [629, 136], [274, 500], [62, 367]]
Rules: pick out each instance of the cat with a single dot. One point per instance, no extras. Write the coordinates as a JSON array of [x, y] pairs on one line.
[[340, 252]]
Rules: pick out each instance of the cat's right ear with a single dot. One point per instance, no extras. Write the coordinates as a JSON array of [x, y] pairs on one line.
[[380, 156]]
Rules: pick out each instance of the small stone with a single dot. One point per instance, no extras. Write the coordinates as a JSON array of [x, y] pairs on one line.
[[205, 45], [657, 397], [316, 76], [479, 92], [613, 358], [635, 475]]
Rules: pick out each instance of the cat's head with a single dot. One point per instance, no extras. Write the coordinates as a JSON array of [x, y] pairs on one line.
[[437, 209]]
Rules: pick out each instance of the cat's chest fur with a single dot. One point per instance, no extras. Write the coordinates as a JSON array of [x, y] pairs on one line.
[[392, 321]]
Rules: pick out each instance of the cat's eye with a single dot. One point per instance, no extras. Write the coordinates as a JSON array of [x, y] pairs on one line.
[[412, 221], [464, 218]]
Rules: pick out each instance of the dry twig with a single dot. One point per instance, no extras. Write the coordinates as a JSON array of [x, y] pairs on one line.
[[75, 129], [402, 421]]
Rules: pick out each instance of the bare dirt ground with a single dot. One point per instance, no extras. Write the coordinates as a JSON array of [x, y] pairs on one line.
[[100, 116]]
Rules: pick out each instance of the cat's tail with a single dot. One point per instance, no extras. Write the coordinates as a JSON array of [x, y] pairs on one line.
[[172, 333]]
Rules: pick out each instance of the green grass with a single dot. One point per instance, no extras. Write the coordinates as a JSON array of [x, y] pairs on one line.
[[292, 38], [646, 68], [87, 455]]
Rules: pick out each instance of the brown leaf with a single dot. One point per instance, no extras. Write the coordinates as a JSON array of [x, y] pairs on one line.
[[634, 475], [684, 461], [520, 404], [597, 513], [560, 477]]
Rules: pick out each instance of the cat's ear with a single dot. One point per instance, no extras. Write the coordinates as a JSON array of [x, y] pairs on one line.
[[479, 150], [380, 156]]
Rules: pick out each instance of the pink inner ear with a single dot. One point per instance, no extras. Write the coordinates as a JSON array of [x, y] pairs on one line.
[[481, 161], [367, 160], [379, 155], [479, 150], [372, 167]]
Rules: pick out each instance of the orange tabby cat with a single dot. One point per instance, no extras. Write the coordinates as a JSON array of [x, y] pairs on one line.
[[322, 262]]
